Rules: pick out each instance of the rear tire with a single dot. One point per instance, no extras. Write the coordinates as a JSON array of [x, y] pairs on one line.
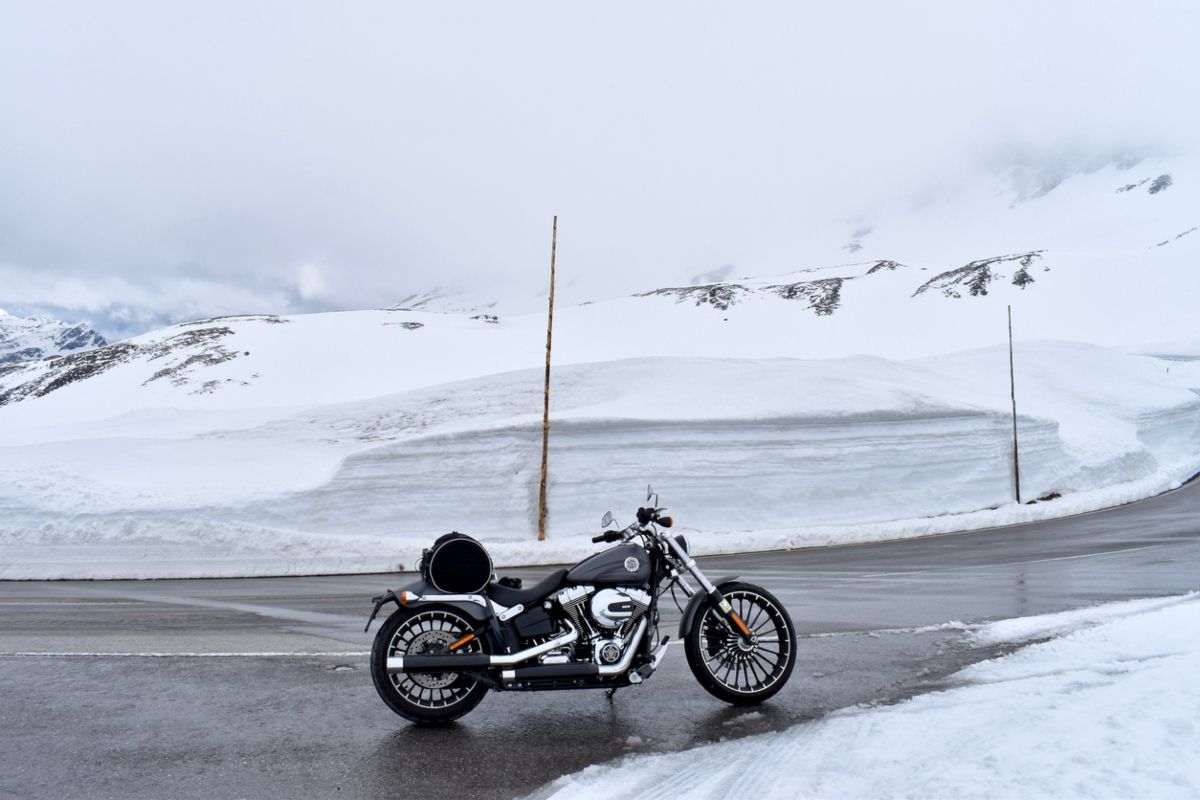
[[731, 671], [426, 698]]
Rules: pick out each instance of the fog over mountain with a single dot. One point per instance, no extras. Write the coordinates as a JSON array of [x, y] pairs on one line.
[[168, 162]]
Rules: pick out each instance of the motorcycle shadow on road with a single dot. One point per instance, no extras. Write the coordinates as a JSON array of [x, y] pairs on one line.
[[524, 749]]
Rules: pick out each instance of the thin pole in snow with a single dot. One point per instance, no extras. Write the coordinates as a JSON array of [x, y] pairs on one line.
[[1012, 386], [546, 406]]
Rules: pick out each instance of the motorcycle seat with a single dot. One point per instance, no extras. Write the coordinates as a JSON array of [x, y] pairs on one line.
[[507, 596]]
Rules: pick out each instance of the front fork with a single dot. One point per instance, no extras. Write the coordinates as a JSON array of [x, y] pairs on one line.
[[736, 624]]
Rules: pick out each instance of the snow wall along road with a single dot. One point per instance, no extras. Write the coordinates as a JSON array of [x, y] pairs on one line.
[[746, 453]]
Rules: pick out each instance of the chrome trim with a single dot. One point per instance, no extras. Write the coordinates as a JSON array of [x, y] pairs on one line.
[[396, 663], [627, 659], [573, 594], [535, 651], [646, 670], [657, 656], [688, 563], [477, 599], [508, 675], [508, 613]]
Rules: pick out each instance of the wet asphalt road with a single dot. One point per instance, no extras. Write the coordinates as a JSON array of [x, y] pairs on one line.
[[259, 687]]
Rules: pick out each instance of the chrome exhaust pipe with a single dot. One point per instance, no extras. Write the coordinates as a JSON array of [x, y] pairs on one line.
[[575, 671], [449, 662]]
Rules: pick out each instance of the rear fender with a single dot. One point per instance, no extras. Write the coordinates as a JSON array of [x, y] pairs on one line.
[[696, 603], [420, 588]]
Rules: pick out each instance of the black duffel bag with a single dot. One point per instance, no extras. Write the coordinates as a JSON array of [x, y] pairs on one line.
[[456, 564]]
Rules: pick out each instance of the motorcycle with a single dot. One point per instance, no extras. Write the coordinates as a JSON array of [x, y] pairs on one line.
[[459, 632]]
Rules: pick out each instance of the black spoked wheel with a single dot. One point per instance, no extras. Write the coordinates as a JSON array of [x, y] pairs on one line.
[[729, 667], [425, 696]]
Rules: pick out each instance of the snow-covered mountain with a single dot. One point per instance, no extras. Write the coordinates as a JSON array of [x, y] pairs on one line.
[[845, 399], [29, 338]]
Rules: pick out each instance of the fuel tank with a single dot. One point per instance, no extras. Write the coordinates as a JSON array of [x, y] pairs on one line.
[[627, 565]]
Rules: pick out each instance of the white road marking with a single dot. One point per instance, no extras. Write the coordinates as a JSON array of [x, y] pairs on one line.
[[281, 654], [273, 612], [71, 603]]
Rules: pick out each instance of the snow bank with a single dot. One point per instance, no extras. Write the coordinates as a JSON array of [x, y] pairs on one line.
[[1105, 711], [749, 454]]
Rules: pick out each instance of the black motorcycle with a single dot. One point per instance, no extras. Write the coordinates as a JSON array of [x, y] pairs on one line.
[[458, 631]]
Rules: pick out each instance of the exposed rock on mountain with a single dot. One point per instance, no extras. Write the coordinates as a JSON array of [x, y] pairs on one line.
[[823, 295], [182, 355], [31, 338], [881, 266], [718, 295], [973, 278], [1160, 183], [1178, 236]]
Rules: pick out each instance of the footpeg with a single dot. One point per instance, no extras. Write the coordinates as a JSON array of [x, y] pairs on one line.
[[647, 669]]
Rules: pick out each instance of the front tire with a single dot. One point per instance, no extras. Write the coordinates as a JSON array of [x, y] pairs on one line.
[[728, 668], [417, 696]]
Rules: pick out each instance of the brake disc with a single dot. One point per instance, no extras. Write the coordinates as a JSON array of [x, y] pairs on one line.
[[432, 643]]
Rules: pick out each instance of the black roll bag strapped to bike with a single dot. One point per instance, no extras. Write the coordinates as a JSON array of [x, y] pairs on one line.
[[456, 564]]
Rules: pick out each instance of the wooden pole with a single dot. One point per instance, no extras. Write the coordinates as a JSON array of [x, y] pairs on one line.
[[1012, 386], [546, 406]]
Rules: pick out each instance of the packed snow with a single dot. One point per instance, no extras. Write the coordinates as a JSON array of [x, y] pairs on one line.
[[749, 454], [1110, 709]]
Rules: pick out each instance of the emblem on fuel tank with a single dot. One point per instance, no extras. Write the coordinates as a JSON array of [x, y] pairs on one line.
[[632, 564]]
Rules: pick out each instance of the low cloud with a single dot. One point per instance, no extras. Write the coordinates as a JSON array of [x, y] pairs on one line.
[[189, 159]]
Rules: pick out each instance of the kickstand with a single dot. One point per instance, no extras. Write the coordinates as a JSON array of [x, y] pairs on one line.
[[609, 694]]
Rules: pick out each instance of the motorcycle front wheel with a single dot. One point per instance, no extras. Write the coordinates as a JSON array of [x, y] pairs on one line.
[[425, 697], [725, 664]]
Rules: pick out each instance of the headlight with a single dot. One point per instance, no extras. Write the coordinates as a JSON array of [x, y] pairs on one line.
[[682, 541]]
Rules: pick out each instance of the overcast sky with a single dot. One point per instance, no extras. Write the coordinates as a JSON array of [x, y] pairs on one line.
[[161, 161]]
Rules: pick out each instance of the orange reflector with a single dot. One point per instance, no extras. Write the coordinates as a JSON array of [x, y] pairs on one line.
[[462, 641], [738, 621], [404, 598]]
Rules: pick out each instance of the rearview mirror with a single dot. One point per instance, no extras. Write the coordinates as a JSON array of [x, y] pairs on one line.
[[607, 520]]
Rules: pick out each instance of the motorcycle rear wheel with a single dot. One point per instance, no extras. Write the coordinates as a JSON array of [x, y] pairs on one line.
[[425, 697], [725, 665]]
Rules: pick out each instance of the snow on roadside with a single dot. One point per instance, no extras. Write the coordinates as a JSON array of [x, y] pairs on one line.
[[750, 454], [1110, 709]]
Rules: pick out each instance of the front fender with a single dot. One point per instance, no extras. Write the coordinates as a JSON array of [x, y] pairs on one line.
[[693, 607]]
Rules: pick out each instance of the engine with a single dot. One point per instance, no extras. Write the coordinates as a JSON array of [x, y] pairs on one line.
[[618, 609], [604, 620]]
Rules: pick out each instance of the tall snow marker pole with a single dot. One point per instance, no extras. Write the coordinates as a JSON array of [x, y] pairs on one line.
[[1012, 387], [546, 406]]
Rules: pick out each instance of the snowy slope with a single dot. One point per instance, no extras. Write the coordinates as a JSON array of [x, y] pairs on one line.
[[28, 338], [1076, 257], [810, 407], [1105, 711]]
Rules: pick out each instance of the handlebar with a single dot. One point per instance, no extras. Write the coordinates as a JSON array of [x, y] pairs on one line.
[[644, 517], [647, 515]]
